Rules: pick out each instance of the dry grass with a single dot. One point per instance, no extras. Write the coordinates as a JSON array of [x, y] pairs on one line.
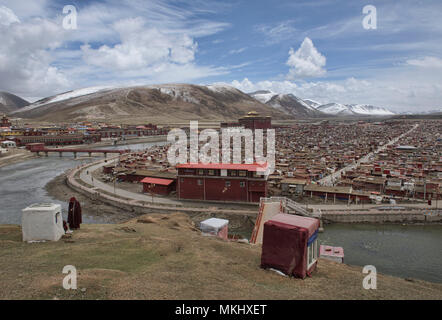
[[165, 257]]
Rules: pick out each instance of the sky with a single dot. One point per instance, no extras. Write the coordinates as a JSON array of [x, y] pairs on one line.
[[325, 50]]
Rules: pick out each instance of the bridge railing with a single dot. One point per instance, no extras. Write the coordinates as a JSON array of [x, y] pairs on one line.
[[288, 206]]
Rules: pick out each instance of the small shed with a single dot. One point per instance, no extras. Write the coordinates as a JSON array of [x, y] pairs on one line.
[[335, 254], [290, 244], [293, 184], [8, 144], [42, 221], [215, 227], [158, 185]]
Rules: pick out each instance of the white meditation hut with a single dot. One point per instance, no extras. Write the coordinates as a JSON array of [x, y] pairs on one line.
[[42, 221]]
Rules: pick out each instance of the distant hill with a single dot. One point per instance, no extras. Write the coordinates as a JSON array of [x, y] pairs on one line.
[[10, 102], [156, 103]]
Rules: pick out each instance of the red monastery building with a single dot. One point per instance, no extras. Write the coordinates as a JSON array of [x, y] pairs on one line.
[[254, 121], [251, 121], [5, 122], [222, 182]]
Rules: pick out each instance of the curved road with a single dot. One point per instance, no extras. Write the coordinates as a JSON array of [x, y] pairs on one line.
[[85, 177]]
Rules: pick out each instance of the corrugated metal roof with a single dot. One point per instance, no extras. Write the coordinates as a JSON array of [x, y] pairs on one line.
[[163, 182]]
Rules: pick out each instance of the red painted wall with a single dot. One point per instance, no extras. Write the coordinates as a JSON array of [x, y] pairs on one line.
[[216, 190], [158, 189], [188, 188]]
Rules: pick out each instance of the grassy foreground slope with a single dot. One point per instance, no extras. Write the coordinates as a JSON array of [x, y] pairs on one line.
[[165, 257]]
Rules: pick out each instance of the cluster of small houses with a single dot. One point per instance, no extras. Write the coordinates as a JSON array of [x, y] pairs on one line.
[[409, 169], [412, 168], [310, 151]]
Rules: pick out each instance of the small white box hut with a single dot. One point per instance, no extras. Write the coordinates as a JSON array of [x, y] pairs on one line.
[[215, 227], [42, 221]]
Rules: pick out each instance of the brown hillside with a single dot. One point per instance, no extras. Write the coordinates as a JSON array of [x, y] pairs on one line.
[[164, 103], [165, 257]]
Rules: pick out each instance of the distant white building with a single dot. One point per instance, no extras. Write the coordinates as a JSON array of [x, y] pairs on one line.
[[8, 144], [42, 221]]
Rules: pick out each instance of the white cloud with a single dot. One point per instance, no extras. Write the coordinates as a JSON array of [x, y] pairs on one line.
[[426, 62], [138, 42], [279, 32], [236, 51], [141, 47], [306, 61], [7, 16], [25, 55], [148, 54]]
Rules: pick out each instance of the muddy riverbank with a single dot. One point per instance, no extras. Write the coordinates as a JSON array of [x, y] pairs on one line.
[[58, 189], [15, 156]]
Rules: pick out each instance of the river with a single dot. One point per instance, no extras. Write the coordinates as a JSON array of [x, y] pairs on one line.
[[23, 183], [404, 251], [411, 251]]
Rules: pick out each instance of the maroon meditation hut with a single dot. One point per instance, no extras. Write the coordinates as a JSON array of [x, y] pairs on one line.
[[290, 244]]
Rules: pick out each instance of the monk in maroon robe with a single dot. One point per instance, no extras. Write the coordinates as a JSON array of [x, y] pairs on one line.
[[74, 214]]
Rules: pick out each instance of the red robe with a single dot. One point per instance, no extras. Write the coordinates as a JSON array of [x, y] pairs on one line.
[[74, 214]]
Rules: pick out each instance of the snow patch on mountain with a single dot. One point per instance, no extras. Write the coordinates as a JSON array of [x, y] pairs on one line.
[[335, 109], [177, 92], [312, 103], [369, 110], [301, 101], [66, 96], [263, 96], [221, 87], [353, 109]]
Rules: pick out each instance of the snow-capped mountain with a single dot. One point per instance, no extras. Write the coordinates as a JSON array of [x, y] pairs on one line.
[[287, 103], [309, 108], [353, 110], [294, 106]]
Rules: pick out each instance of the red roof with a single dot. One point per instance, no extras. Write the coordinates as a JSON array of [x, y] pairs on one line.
[[228, 166], [163, 182]]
